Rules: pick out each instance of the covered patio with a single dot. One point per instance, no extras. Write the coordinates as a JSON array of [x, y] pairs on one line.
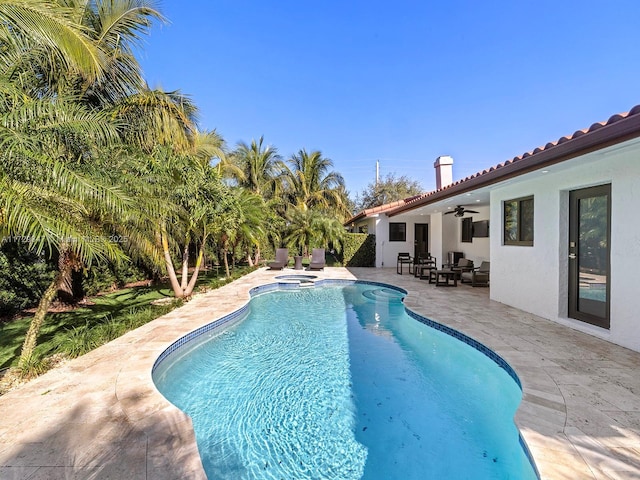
[[100, 416]]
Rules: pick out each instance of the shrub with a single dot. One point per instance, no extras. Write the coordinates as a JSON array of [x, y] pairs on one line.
[[78, 341], [105, 277], [108, 330], [359, 250], [25, 276], [33, 366]]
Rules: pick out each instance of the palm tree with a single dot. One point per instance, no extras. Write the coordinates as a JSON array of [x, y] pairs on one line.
[[52, 130], [186, 191], [260, 165], [34, 31], [309, 181], [306, 228], [117, 28], [44, 199], [211, 145], [252, 232]]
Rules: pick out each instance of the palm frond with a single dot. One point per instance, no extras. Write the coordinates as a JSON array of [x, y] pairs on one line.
[[51, 24], [33, 216], [158, 118], [119, 25]]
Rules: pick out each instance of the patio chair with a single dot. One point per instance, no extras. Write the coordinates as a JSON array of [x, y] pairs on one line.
[[403, 258], [317, 259], [463, 265], [478, 277], [424, 263], [282, 259]]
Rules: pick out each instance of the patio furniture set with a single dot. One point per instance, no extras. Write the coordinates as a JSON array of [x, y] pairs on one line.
[[282, 260], [425, 267]]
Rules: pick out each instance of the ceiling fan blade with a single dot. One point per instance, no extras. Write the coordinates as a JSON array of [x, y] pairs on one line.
[[447, 213], [470, 211]]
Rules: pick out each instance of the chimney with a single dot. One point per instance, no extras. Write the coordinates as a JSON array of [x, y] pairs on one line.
[[444, 171]]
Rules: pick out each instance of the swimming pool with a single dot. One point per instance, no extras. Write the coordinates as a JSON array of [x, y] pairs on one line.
[[339, 382]]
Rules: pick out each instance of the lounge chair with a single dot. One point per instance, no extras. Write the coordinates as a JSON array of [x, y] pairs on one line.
[[464, 265], [478, 277], [317, 259], [282, 259]]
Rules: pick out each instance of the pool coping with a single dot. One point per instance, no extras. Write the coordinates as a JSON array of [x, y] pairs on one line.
[[93, 407]]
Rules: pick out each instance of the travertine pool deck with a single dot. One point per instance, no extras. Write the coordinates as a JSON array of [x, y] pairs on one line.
[[100, 416]]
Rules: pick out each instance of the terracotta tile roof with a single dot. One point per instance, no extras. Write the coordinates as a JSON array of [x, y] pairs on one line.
[[368, 212], [617, 128]]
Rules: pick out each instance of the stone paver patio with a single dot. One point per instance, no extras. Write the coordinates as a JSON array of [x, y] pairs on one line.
[[100, 416]]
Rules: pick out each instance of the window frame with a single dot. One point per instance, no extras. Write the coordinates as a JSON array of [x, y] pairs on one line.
[[404, 232], [519, 222]]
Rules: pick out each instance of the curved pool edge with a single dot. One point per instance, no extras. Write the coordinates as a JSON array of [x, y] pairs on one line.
[[492, 355], [287, 284], [171, 442]]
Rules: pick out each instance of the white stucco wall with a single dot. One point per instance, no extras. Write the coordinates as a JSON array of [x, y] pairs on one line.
[[386, 251], [478, 249], [436, 237], [534, 279]]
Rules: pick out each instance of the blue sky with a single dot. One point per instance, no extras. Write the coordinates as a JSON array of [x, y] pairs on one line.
[[400, 82]]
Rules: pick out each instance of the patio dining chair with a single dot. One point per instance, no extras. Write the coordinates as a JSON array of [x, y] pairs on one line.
[[403, 258], [424, 263]]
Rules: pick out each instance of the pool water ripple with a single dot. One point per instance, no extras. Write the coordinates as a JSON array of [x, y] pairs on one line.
[[332, 382]]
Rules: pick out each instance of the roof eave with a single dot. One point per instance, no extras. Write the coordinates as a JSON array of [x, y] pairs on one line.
[[605, 136], [354, 219]]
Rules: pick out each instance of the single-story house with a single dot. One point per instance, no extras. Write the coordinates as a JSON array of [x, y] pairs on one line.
[[563, 239]]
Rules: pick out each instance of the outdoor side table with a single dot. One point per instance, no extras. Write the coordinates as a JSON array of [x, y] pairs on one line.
[[444, 277]]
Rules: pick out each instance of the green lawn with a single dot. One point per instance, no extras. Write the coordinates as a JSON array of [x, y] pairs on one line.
[[79, 331]]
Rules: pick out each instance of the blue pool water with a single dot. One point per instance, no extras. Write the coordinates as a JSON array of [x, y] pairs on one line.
[[338, 382]]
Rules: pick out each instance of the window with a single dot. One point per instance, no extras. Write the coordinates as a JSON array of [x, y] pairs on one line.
[[518, 221], [397, 232], [467, 230]]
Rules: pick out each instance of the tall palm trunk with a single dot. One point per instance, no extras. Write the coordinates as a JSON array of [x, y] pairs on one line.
[[185, 264], [65, 267], [226, 264], [225, 249], [183, 288], [173, 278], [194, 276]]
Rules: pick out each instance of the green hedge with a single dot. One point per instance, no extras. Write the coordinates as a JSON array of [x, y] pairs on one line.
[[359, 250]]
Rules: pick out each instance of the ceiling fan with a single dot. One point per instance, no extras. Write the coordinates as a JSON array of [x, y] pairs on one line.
[[460, 211]]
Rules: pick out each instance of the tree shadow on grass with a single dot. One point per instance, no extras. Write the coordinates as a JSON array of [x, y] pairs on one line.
[[110, 307]]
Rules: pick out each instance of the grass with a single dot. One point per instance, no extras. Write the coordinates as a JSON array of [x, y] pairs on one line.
[[79, 331]]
